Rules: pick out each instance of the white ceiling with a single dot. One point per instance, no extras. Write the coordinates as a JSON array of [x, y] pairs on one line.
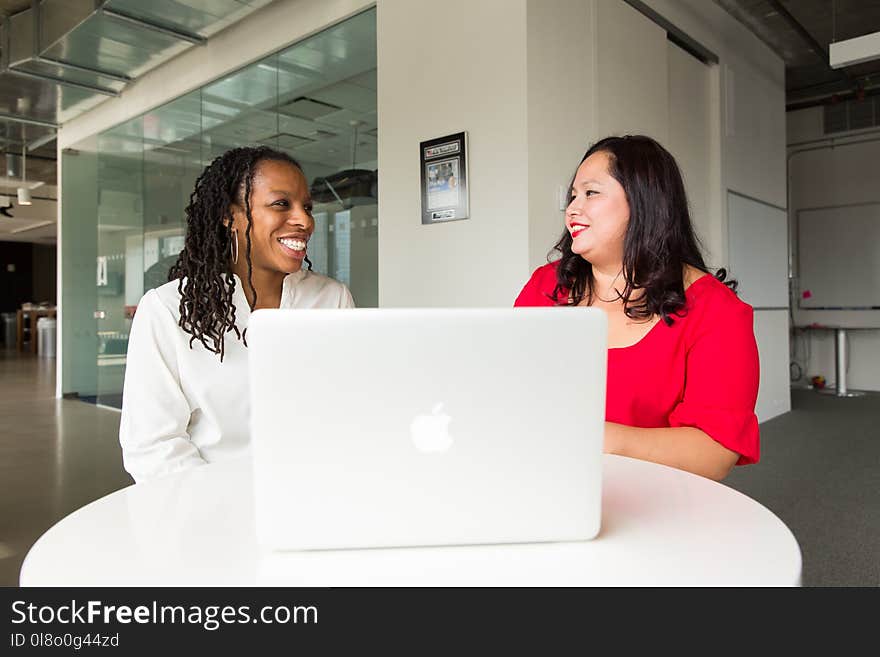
[[32, 223]]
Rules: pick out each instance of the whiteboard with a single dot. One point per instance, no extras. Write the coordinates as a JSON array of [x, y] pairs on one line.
[[758, 251], [839, 257]]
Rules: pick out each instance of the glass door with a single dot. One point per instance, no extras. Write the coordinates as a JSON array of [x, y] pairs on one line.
[[316, 100], [172, 162], [120, 254], [79, 241]]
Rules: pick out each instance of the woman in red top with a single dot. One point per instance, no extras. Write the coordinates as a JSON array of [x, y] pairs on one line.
[[682, 357]]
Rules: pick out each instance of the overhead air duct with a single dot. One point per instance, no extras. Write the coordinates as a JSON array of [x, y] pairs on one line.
[[94, 48]]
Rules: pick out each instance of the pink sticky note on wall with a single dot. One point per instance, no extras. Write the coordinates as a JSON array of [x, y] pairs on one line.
[[807, 294]]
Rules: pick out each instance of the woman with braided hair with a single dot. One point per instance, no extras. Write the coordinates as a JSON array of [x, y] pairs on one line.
[[185, 399]]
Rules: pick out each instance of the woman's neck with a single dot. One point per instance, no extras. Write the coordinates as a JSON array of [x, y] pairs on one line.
[[267, 286], [608, 282]]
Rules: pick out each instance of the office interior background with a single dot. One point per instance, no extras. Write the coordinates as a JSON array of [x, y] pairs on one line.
[[110, 110]]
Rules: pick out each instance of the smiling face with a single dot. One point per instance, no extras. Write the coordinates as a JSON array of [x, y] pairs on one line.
[[281, 209], [597, 215]]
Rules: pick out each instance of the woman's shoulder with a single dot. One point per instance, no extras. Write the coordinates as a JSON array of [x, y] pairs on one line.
[[547, 271], [538, 290], [317, 281], [169, 293], [314, 278], [713, 300], [319, 290], [162, 300], [157, 311]]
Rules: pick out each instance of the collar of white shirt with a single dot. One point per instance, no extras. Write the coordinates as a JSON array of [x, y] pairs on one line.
[[243, 308]]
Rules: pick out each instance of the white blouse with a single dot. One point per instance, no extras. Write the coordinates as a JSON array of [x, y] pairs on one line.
[[182, 407]]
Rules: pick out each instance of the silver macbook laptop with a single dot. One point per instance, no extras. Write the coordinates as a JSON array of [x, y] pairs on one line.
[[393, 427]]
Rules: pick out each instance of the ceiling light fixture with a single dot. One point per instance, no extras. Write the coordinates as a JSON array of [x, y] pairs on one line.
[[854, 51], [24, 194], [13, 162], [39, 224], [355, 124]]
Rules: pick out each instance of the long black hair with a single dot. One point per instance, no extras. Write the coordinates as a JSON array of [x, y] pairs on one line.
[[660, 237], [204, 267]]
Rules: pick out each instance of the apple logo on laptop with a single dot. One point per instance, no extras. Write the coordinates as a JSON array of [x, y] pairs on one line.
[[430, 433]]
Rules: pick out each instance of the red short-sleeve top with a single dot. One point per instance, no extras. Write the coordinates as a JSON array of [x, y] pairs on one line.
[[700, 372]]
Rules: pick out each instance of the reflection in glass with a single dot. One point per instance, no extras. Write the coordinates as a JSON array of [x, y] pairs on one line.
[[315, 100], [119, 267], [172, 161]]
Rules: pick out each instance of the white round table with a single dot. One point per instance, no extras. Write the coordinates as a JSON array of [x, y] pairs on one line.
[[660, 527]]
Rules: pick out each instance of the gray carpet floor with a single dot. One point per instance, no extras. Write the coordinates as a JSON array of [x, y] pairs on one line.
[[820, 474]]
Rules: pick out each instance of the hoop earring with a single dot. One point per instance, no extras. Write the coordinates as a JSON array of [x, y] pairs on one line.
[[233, 246]]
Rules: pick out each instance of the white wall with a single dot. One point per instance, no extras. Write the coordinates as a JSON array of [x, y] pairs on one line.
[[827, 172], [632, 87], [692, 131], [771, 330], [752, 97], [427, 87], [561, 74]]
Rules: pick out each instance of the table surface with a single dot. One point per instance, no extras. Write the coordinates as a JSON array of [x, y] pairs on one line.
[[660, 527]]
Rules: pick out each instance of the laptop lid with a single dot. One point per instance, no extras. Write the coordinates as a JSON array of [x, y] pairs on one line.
[[407, 427]]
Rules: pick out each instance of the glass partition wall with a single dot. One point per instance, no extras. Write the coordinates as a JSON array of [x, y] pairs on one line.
[[120, 253], [124, 190]]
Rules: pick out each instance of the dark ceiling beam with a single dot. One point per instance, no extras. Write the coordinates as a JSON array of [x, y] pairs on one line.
[[815, 46], [27, 121], [819, 87], [832, 86], [46, 158], [794, 24], [828, 100], [824, 93], [31, 156]]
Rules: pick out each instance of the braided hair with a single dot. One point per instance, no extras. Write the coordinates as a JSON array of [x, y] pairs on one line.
[[204, 266]]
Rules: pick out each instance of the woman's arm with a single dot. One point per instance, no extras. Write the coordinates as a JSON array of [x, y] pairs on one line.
[[686, 448], [714, 426], [155, 412]]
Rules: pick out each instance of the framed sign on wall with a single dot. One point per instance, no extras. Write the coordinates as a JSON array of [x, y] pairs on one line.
[[444, 178]]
